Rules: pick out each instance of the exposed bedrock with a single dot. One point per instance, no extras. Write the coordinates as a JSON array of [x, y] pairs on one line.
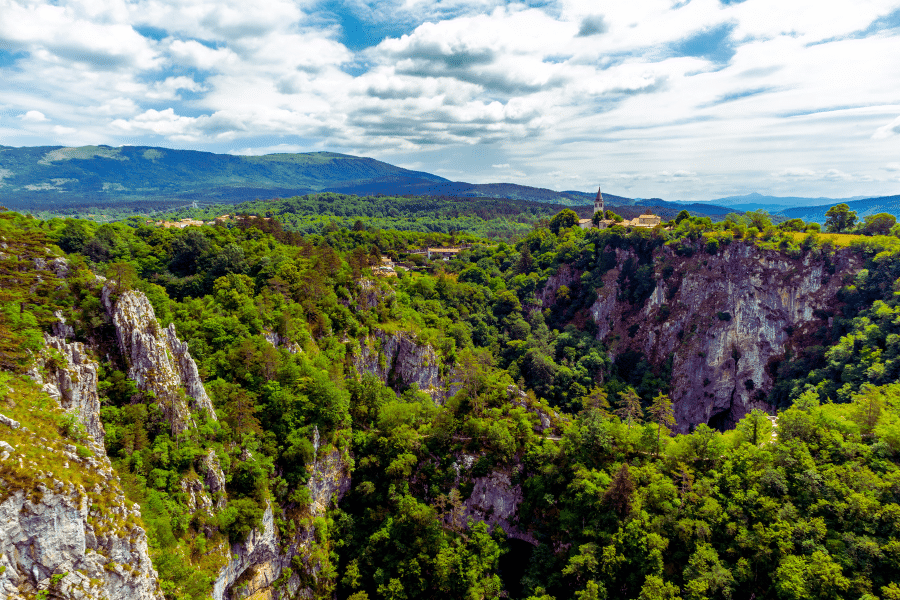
[[264, 556], [157, 360], [401, 360], [722, 320], [69, 376]]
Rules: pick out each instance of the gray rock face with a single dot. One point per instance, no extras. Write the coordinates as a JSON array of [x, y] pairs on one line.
[[73, 384], [265, 557], [495, 501], [564, 276], [400, 360], [722, 320], [214, 478], [60, 266], [519, 398], [188, 373], [282, 342], [370, 294], [56, 534], [61, 329], [157, 360]]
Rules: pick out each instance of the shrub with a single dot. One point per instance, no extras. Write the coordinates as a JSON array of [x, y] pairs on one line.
[[239, 518]]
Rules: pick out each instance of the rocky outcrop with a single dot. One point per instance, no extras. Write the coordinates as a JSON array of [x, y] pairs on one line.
[[495, 500], [56, 540], [370, 294], [66, 528], [280, 341], [263, 559], [720, 321], [519, 398], [400, 360], [565, 276], [214, 478], [71, 380], [157, 360]]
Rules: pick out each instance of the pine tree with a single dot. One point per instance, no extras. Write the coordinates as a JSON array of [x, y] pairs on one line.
[[630, 411], [663, 415]]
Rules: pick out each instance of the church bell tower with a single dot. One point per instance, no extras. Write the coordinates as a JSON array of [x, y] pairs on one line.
[[599, 206]]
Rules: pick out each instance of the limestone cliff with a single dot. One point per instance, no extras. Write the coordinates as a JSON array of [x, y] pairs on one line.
[[495, 500], [157, 360], [71, 380], [267, 565], [401, 360], [721, 321], [66, 527], [67, 541]]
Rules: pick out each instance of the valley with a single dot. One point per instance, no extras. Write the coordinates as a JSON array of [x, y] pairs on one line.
[[252, 409]]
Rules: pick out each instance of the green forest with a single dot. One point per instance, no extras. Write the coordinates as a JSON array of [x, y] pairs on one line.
[[613, 504]]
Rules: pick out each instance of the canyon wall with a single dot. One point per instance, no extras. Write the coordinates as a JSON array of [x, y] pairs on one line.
[[719, 322]]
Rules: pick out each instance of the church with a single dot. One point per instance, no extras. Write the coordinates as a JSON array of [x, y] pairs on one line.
[[647, 220]]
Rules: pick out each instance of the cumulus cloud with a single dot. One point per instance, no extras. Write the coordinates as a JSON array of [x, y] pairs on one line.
[[33, 116], [654, 96], [164, 122]]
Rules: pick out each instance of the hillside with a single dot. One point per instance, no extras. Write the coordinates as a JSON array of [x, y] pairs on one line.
[[59, 178], [869, 206], [497, 218]]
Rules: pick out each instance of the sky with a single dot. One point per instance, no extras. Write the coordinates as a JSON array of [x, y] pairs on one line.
[[692, 100]]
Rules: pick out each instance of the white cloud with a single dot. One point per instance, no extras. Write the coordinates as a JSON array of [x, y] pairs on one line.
[[33, 116], [164, 122], [194, 54], [168, 88], [276, 149], [886, 131], [662, 98]]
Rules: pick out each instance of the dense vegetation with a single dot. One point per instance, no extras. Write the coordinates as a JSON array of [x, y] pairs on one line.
[[618, 506]]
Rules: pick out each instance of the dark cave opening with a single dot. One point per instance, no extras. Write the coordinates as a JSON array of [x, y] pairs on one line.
[[722, 421], [513, 566]]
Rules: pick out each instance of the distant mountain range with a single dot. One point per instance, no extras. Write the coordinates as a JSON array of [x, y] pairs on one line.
[[863, 208], [42, 178], [61, 179], [756, 201], [58, 178]]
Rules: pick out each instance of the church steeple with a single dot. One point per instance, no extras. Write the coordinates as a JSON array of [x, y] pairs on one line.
[[599, 205]]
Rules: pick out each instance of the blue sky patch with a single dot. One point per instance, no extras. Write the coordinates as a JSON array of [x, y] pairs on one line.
[[8, 59], [357, 33], [154, 33], [713, 44]]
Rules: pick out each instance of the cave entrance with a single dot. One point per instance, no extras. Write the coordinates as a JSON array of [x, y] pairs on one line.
[[722, 421], [513, 565]]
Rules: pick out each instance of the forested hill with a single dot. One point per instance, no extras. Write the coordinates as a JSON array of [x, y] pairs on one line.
[[143, 178], [57, 177], [240, 411], [864, 208], [497, 218]]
